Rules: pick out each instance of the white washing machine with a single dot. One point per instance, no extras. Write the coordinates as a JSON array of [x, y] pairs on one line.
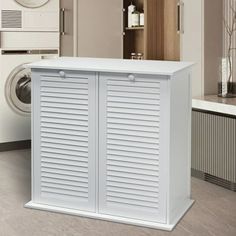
[[29, 15], [15, 92]]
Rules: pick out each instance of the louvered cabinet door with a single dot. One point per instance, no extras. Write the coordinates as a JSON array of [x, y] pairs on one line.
[[64, 140], [133, 153]]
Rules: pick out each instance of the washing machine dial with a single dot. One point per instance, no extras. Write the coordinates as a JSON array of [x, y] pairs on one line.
[[32, 3]]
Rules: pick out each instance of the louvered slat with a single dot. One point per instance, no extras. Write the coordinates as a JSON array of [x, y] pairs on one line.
[[63, 177], [64, 157], [67, 176], [63, 182], [130, 137], [64, 152]]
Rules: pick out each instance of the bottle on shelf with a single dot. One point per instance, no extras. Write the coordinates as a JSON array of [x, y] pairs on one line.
[[133, 56], [135, 18], [141, 18], [140, 56], [131, 9], [136, 56]]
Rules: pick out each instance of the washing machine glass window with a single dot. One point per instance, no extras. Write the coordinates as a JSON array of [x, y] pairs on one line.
[[32, 3], [18, 90]]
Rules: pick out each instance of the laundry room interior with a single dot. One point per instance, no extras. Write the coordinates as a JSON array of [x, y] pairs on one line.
[[117, 117]]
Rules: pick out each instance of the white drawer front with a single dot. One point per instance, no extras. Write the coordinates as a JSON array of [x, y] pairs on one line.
[[131, 157], [65, 133]]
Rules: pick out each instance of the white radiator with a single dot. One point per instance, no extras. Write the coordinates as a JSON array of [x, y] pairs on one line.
[[214, 148]]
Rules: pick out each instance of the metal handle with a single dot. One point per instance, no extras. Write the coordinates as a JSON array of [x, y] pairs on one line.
[[131, 77], [63, 24], [62, 74], [180, 17]]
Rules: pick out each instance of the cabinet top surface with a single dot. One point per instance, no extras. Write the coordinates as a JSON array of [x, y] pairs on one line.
[[112, 65], [215, 104]]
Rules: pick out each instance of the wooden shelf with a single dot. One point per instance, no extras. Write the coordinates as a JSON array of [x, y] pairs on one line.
[[146, 39], [135, 28], [158, 39]]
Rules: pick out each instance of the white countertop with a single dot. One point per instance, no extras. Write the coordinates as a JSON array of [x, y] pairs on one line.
[[215, 104], [112, 65]]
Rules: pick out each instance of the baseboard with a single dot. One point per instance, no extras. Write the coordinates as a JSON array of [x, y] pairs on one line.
[[18, 145], [197, 174], [214, 180], [167, 227], [93, 215]]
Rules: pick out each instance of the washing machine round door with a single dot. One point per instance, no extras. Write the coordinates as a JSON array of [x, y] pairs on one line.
[[18, 90], [32, 3]]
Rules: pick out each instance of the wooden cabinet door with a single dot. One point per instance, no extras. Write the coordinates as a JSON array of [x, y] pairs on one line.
[[172, 26], [64, 140], [133, 139]]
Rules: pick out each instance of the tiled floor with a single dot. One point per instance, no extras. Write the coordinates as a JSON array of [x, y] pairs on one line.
[[213, 214]]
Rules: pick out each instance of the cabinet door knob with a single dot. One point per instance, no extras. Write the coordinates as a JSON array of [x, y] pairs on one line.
[[62, 74], [131, 77]]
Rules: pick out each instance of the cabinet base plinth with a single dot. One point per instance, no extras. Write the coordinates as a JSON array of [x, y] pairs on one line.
[[167, 227]]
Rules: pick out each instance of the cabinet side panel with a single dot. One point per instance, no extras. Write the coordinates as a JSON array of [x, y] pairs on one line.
[[180, 143], [35, 134]]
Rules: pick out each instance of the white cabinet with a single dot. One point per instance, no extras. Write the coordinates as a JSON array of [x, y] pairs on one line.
[[113, 142], [64, 140]]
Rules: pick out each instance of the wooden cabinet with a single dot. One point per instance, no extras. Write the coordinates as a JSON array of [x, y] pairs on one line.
[[113, 142], [64, 140]]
